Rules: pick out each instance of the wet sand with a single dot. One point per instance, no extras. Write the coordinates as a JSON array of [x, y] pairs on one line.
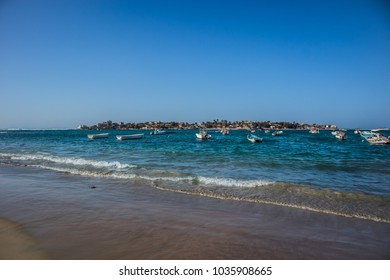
[[63, 216], [17, 245]]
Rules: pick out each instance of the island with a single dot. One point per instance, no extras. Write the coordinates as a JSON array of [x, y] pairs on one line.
[[215, 124]]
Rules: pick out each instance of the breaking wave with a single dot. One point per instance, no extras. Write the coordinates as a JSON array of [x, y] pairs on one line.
[[347, 204], [66, 161]]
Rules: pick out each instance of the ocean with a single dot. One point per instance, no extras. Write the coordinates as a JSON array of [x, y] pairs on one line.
[[312, 172]]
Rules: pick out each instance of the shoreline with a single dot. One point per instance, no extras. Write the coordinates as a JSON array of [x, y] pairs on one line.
[[119, 219]]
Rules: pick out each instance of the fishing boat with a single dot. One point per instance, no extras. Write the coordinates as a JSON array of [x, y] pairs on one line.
[[378, 140], [254, 138], [158, 132], [224, 131], [339, 134], [202, 135], [277, 133], [367, 133], [98, 136], [314, 130], [130, 136], [375, 138], [379, 129]]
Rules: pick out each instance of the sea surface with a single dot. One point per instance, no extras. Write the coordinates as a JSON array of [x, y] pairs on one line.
[[314, 172]]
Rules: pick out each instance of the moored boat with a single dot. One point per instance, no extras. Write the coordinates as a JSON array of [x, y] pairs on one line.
[[158, 132], [130, 136], [339, 134], [277, 133], [202, 135], [224, 131], [254, 138], [375, 138], [379, 129], [379, 140], [98, 136], [314, 130]]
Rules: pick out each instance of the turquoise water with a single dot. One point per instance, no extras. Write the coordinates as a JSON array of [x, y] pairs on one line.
[[316, 172]]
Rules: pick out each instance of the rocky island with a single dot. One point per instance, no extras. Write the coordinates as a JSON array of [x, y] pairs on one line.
[[215, 124]]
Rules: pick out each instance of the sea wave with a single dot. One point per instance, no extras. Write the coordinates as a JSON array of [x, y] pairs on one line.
[[229, 182], [347, 204], [151, 177], [67, 160]]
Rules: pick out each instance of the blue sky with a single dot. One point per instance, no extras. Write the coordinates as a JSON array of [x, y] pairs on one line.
[[65, 63]]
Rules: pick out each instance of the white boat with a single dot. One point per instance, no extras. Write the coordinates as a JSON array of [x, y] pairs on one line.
[[202, 135], [98, 136], [339, 135], [130, 136], [224, 131], [314, 130], [158, 132], [367, 133], [254, 138], [375, 138], [379, 129], [277, 133], [378, 140]]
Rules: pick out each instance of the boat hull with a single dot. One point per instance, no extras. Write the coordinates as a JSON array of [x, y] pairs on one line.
[[98, 136], [254, 138], [130, 137], [277, 133], [202, 136], [158, 132]]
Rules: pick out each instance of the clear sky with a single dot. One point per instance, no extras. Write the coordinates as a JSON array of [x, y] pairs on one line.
[[65, 63]]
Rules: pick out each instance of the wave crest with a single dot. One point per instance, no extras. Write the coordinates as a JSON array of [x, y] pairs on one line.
[[68, 161]]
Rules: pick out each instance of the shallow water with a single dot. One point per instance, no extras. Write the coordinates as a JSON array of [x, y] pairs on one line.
[[298, 169], [124, 219]]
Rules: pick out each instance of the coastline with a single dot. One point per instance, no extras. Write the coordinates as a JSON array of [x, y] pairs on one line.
[[119, 219]]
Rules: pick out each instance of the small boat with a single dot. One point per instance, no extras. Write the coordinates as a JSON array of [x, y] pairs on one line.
[[254, 138], [130, 136], [98, 136], [375, 138], [314, 130], [339, 135], [224, 131], [367, 133], [277, 133], [379, 140], [202, 135], [158, 132], [379, 129]]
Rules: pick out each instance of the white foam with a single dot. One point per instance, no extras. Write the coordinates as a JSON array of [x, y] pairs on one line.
[[69, 161], [229, 182], [107, 166], [89, 173]]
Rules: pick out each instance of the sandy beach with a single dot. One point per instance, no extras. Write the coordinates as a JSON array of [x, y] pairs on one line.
[[61, 216], [16, 244]]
